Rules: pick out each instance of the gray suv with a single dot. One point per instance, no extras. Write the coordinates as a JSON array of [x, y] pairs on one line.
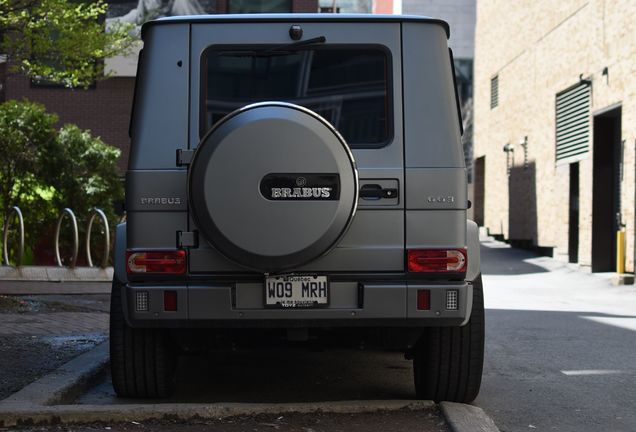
[[301, 175]]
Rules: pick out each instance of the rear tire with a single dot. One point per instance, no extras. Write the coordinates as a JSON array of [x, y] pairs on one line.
[[448, 361], [142, 361]]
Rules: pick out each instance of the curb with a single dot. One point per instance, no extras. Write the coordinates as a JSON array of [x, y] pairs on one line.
[[467, 418], [73, 414], [61, 385], [28, 287]]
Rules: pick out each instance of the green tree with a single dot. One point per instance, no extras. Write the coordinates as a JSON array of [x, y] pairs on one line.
[[26, 129], [83, 171], [60, 40], [43, 170]]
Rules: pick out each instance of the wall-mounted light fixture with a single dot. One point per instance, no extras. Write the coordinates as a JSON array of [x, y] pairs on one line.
[[524, 143], [510, 157]]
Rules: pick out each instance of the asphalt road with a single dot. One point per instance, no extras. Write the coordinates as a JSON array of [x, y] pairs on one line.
[[292, 374], [561, 346]]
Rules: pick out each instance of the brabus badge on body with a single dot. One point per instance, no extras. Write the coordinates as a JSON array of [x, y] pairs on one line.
[[292, 187], [448, 199]]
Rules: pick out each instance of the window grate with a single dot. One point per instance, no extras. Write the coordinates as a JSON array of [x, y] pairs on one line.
[[494, 91]]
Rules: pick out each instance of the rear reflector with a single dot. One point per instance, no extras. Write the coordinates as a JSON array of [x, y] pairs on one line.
[[423, 300], [162, 262], [141, 301], [452, 299], [437, 260], [170, 301]]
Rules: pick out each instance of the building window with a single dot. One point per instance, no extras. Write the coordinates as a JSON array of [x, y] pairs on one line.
[[348, 86], [494, 91], [259, 6]]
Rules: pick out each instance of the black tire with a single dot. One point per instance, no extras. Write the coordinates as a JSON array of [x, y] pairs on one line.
[[448, 361], [142, 361]]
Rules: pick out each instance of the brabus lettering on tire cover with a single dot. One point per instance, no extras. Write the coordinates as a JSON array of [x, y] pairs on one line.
[[321, 187]]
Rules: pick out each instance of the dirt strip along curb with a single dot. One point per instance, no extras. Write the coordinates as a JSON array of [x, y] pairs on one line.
[[467, 418], [62, 385], [26, 287], [74, 414]]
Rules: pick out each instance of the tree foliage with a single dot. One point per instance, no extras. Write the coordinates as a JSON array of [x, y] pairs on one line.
[[43, 170], [60, 40]]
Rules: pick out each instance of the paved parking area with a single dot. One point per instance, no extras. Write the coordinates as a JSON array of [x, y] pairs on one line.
[[40, 333], [58, 324], [559, 346]]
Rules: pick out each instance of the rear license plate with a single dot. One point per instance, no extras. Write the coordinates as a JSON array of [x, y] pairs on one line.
[[296, 291]]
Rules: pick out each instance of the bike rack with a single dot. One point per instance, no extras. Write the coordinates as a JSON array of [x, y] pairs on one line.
[[89, 228], [5, 236], [69, 212]]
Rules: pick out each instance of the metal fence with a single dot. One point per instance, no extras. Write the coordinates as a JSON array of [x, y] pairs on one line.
[[96, 213]]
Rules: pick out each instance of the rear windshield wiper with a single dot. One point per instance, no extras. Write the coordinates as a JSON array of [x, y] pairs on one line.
[[276, 50]]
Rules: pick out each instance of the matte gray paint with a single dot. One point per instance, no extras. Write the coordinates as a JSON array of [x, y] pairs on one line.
[[431, 188], [381, 301], [438, 301], [375, 240], [119, 254], [296, 18], [357, 251], [435, 229], [431, 136], [155, 302], [158, 230], [161, 103], [156, 190]]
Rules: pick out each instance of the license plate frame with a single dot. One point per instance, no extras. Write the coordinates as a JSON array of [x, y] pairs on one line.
[[293, 284]]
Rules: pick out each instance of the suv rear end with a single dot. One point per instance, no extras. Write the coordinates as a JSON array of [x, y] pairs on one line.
[[297, 171]]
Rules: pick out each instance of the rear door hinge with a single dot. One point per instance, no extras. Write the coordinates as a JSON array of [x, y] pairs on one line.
[[187, 239], [184, 156]]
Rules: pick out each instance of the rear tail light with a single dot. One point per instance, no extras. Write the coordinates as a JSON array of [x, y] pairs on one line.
[[437, 260], [170, 301], [423, 299], [158, 262]]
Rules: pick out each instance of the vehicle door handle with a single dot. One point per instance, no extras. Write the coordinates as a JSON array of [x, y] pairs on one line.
[[376, 192]]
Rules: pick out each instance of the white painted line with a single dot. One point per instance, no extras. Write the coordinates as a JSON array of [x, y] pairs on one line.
[[584, 372]]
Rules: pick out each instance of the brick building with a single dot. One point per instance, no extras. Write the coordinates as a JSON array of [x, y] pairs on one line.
[[105, 108], [555, 126]]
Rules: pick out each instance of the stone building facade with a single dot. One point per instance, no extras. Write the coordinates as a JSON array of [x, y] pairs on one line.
[[555, 126]]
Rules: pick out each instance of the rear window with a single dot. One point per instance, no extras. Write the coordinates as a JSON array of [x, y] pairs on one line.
[[348, 86]]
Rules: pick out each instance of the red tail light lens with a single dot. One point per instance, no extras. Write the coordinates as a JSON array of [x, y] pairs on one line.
[[423, 300], [170, 301], [159, 262], [437, 260]]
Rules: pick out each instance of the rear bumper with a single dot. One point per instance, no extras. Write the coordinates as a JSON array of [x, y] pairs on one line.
[[352, 304]]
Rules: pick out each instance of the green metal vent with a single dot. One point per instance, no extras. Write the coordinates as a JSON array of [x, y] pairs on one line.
[[573, 123]]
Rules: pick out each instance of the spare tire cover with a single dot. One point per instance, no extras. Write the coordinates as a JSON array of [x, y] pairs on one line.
[[273, 186]]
